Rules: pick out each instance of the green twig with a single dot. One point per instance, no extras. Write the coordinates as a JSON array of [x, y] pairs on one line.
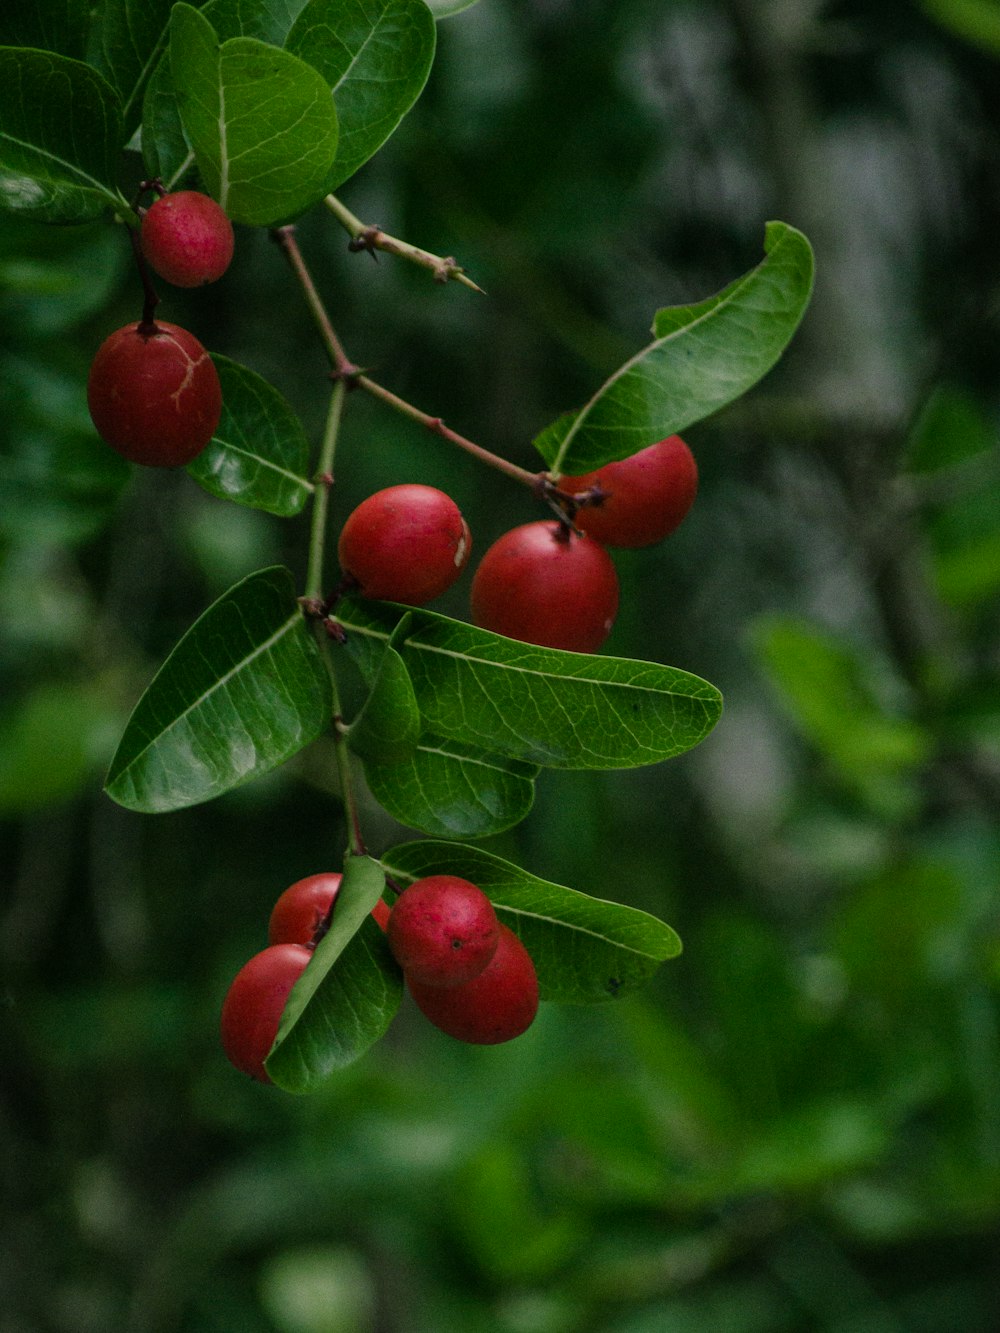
[[371, 238]]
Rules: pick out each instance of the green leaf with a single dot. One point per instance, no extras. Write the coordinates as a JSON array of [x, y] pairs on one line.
[[259, 455], [50, 25], [267, 20], [951, 428], [557, 709], [165, 148], [830, 691], [978, 21], [51, 741], [584, 949], [703, 357], [376, 56], [60, 138], [261, 122], [443, 9], [388, 726], [348, 994], [130, 40], [449, 790], [244, 690]]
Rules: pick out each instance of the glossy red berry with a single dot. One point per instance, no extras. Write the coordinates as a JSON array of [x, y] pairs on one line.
[[443, 930], [254, 1003], [496, 1006], [154, 394], [406, 543], [187, 238], [648, 495], [543, 584], [299, 914]]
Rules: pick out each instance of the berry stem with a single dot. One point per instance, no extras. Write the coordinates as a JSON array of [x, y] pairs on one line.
[[321, 494], [372, 238], [150, 298]]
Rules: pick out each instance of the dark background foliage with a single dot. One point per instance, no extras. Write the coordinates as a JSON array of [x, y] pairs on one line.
[[799, 1127]]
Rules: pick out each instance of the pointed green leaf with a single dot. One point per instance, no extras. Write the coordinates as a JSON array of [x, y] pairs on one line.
[[259, 455], [388, 726], [244, 690], [61, 136], [556, 709], [584, 949], [703, 357], [130, 41], [451, 790], [348, 994], [261, 122], [376, 56]]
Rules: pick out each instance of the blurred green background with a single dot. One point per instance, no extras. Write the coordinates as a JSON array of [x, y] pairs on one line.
[[799, 1128]]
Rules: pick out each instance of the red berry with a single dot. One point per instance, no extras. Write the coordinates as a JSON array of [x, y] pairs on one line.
[[443, 931], [154, 394], [381, 914], [543, 584], [496, 1006], [301, 910], [187, 238], [254, 1003], [407, 544], [648, 495]]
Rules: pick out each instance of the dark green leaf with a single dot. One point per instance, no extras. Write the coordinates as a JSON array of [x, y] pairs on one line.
[[51, 741], [130, 40], [951, 428], [259, 455], [348, 994], [375, 55], [243, 691], [703, 357], [165, 149], [453, 791], [60, 138], [50, 25], [584, 949], [267, 20], [261, 122], [388, 726], [557, 709]]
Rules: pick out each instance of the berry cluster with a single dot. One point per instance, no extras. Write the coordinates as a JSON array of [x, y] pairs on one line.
[[467, 972], [153, 392], [550, 582]]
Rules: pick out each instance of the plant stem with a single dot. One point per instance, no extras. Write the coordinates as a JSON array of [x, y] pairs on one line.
[[437, 426], [285, 237], [371, 238], [321, 496], [150, 299]]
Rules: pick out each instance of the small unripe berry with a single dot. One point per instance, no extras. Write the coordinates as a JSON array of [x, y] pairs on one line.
[[187, 238], [543, 584], [406, 543], [154, 394], [648, 495], [254, 1004], [496, 1006], [443, 930]]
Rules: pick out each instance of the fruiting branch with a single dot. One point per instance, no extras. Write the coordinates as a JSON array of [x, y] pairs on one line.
[[372, 238]]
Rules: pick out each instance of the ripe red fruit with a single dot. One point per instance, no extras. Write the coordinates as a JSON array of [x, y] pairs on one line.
[[187, 238], [496, 1006], [543, 584], [299, 913], [648, 495], [443, 931], [254, 1003], [154, 394], [406, 543], [301, 910]]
